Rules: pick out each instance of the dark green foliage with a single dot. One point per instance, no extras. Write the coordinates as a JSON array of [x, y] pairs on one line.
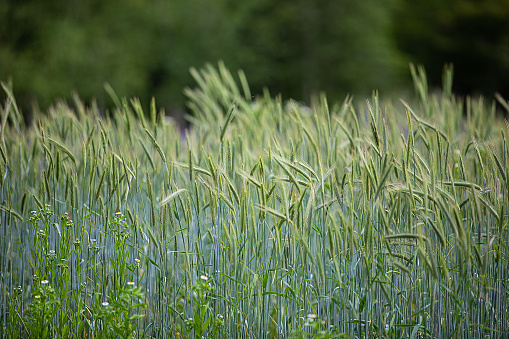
[[145, 49], [474, 35], [296, 48]]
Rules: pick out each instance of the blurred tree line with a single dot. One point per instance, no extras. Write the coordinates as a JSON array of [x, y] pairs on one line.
[[472, 34], [145, 48]]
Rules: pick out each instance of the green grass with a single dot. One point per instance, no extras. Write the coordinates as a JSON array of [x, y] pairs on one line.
[[266, 219]]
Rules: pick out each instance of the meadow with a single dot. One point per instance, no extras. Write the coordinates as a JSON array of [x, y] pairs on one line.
[[264, 219]]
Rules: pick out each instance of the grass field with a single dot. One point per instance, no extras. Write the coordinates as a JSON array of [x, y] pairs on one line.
[[265, 219]]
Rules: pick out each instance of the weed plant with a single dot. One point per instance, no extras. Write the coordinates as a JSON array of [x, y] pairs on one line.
[[265, 219]]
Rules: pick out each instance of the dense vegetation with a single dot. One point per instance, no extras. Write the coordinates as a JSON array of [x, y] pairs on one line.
[[145, 48], [265, 219]]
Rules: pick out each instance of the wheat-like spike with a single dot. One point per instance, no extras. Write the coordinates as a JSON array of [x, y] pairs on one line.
[[156, 145], [170, 197]]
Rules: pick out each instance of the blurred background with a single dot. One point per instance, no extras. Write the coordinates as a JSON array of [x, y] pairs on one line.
[[144, 48]]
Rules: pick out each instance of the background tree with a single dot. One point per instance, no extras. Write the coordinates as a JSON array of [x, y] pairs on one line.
[[471, 34], [145, 48]]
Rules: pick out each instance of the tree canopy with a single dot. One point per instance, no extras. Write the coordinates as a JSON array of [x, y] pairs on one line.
[[145, 48]]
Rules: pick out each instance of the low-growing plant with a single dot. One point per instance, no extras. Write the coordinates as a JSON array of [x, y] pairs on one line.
[[41, 311], [118, 318], [203, 320]]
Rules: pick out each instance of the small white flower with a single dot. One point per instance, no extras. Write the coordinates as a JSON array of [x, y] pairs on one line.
[[312, 317], [137, 260], [51, 251], [204, 278], [105, 303], [130, 283], [44, 282], [37, 297]]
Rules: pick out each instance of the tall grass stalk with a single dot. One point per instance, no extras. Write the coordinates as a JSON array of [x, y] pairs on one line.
[[269, 219]]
